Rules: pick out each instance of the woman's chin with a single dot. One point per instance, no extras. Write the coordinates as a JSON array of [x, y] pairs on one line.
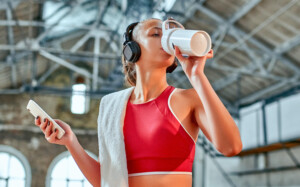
[[165, 53]]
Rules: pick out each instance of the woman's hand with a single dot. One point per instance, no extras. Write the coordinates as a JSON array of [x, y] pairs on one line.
[[51, 136], [192, 65]]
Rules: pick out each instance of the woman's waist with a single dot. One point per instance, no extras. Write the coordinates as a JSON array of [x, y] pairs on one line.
[[161, 180], [145, 165]]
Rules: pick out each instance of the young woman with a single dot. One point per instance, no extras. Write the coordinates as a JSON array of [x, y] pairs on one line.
[[160, 146]]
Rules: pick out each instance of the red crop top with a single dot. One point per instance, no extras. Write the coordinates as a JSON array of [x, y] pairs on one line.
[[155, 140]]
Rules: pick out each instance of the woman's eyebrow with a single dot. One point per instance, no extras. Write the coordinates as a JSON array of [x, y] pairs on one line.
[[154, 28]]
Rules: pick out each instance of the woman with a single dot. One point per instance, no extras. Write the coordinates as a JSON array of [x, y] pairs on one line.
[[183, 112]]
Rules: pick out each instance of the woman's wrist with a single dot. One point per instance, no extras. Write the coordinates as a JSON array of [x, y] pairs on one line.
[[72, 141]]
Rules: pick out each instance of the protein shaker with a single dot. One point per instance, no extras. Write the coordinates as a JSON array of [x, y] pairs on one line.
[[190, 42]]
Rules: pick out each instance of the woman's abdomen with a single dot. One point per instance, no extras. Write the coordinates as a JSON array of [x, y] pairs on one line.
[[161, 180]]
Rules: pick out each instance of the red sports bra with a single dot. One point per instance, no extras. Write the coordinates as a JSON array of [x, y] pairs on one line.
[[155, 140]]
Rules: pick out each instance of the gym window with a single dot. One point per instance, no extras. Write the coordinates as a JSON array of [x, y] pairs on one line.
[[64, 172], [14, 168], [79, 100]]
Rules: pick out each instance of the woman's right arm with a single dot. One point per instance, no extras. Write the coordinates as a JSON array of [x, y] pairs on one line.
[[88, 166]]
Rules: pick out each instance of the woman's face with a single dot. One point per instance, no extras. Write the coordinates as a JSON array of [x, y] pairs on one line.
[[148, 35]]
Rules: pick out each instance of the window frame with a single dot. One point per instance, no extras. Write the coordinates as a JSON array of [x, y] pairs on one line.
[[19, 155], [57, 159]]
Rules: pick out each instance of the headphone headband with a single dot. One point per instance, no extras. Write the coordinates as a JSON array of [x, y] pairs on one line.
[[128, 34]]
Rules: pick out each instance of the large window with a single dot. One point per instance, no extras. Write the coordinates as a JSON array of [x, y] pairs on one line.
[[282, 122], [79, 100], [14, 168], [64, 172]]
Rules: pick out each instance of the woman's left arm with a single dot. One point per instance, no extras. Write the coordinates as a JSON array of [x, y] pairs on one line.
[[222, 129]]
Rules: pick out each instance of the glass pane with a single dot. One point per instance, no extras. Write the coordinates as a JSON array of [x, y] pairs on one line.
[[16, 182], [4, 165], [60, 170], [78, 99], [87, 184], [60, 183], [290, 117], [16, 169], [249, 130], [75, 183], [2, 183], [67, 169], [74, 171], [272, 123]]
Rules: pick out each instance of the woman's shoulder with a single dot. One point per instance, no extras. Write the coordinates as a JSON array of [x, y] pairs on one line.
[[187, 93], [188, 96]]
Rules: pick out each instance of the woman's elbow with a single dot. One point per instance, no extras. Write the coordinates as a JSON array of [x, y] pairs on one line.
[[235, 150]]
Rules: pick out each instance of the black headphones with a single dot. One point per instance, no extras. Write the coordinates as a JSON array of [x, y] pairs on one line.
[[132, 50]]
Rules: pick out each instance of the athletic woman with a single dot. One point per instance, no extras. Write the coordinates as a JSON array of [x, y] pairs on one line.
[[162, 122]]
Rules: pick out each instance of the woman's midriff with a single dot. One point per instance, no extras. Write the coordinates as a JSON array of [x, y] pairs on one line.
[[161, 180]]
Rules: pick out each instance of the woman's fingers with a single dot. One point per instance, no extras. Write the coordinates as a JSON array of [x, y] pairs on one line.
[[48, 129], [210, 54], [37, 121], [178, 54], [43, 125], [52, 137]]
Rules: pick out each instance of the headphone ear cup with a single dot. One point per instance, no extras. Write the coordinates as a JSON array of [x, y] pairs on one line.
[[132, 51]]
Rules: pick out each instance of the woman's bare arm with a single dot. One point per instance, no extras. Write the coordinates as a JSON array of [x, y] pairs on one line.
[[88, 166]]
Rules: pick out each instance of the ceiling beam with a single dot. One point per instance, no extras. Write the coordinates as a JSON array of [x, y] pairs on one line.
[[263, 47], [262, 93], [68, 65], [252, 40], [288, 45], [21, 47], [243, 11], [11, 59]]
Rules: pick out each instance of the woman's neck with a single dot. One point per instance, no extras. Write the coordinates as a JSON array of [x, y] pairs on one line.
[[149, 85]]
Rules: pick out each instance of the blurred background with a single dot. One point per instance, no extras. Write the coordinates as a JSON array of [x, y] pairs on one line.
[[66, 55]]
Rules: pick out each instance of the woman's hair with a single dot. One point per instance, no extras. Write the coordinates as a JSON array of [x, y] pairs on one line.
[[129, 67], [129, 72]]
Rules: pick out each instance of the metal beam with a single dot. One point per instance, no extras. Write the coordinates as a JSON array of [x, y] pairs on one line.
[[21, 47], [220, 84], [10, 34], [96, 62], [67, 65], [251, 39], [24, 23], [224, 27], [253, 97], [243, 11], [258, 44], [44, 34], [288, 45], [80, 42], [250, 54], [47, 74]]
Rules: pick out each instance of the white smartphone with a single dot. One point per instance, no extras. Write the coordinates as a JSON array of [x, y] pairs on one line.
[[36, 110]]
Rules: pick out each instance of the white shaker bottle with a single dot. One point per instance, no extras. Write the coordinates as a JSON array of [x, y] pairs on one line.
[[190, 42]]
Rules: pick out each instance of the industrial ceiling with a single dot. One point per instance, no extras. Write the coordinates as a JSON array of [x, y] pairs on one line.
[[255, 42]]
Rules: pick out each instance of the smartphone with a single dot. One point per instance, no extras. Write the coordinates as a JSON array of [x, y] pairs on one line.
[[36, 110]]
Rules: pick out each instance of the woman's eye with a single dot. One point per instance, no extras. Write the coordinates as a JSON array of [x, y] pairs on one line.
[[155, 34]]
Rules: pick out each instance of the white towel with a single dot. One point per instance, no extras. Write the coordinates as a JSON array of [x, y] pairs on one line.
[[112, 154]]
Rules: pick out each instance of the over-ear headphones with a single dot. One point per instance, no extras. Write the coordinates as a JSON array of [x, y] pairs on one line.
[[132, 50]]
